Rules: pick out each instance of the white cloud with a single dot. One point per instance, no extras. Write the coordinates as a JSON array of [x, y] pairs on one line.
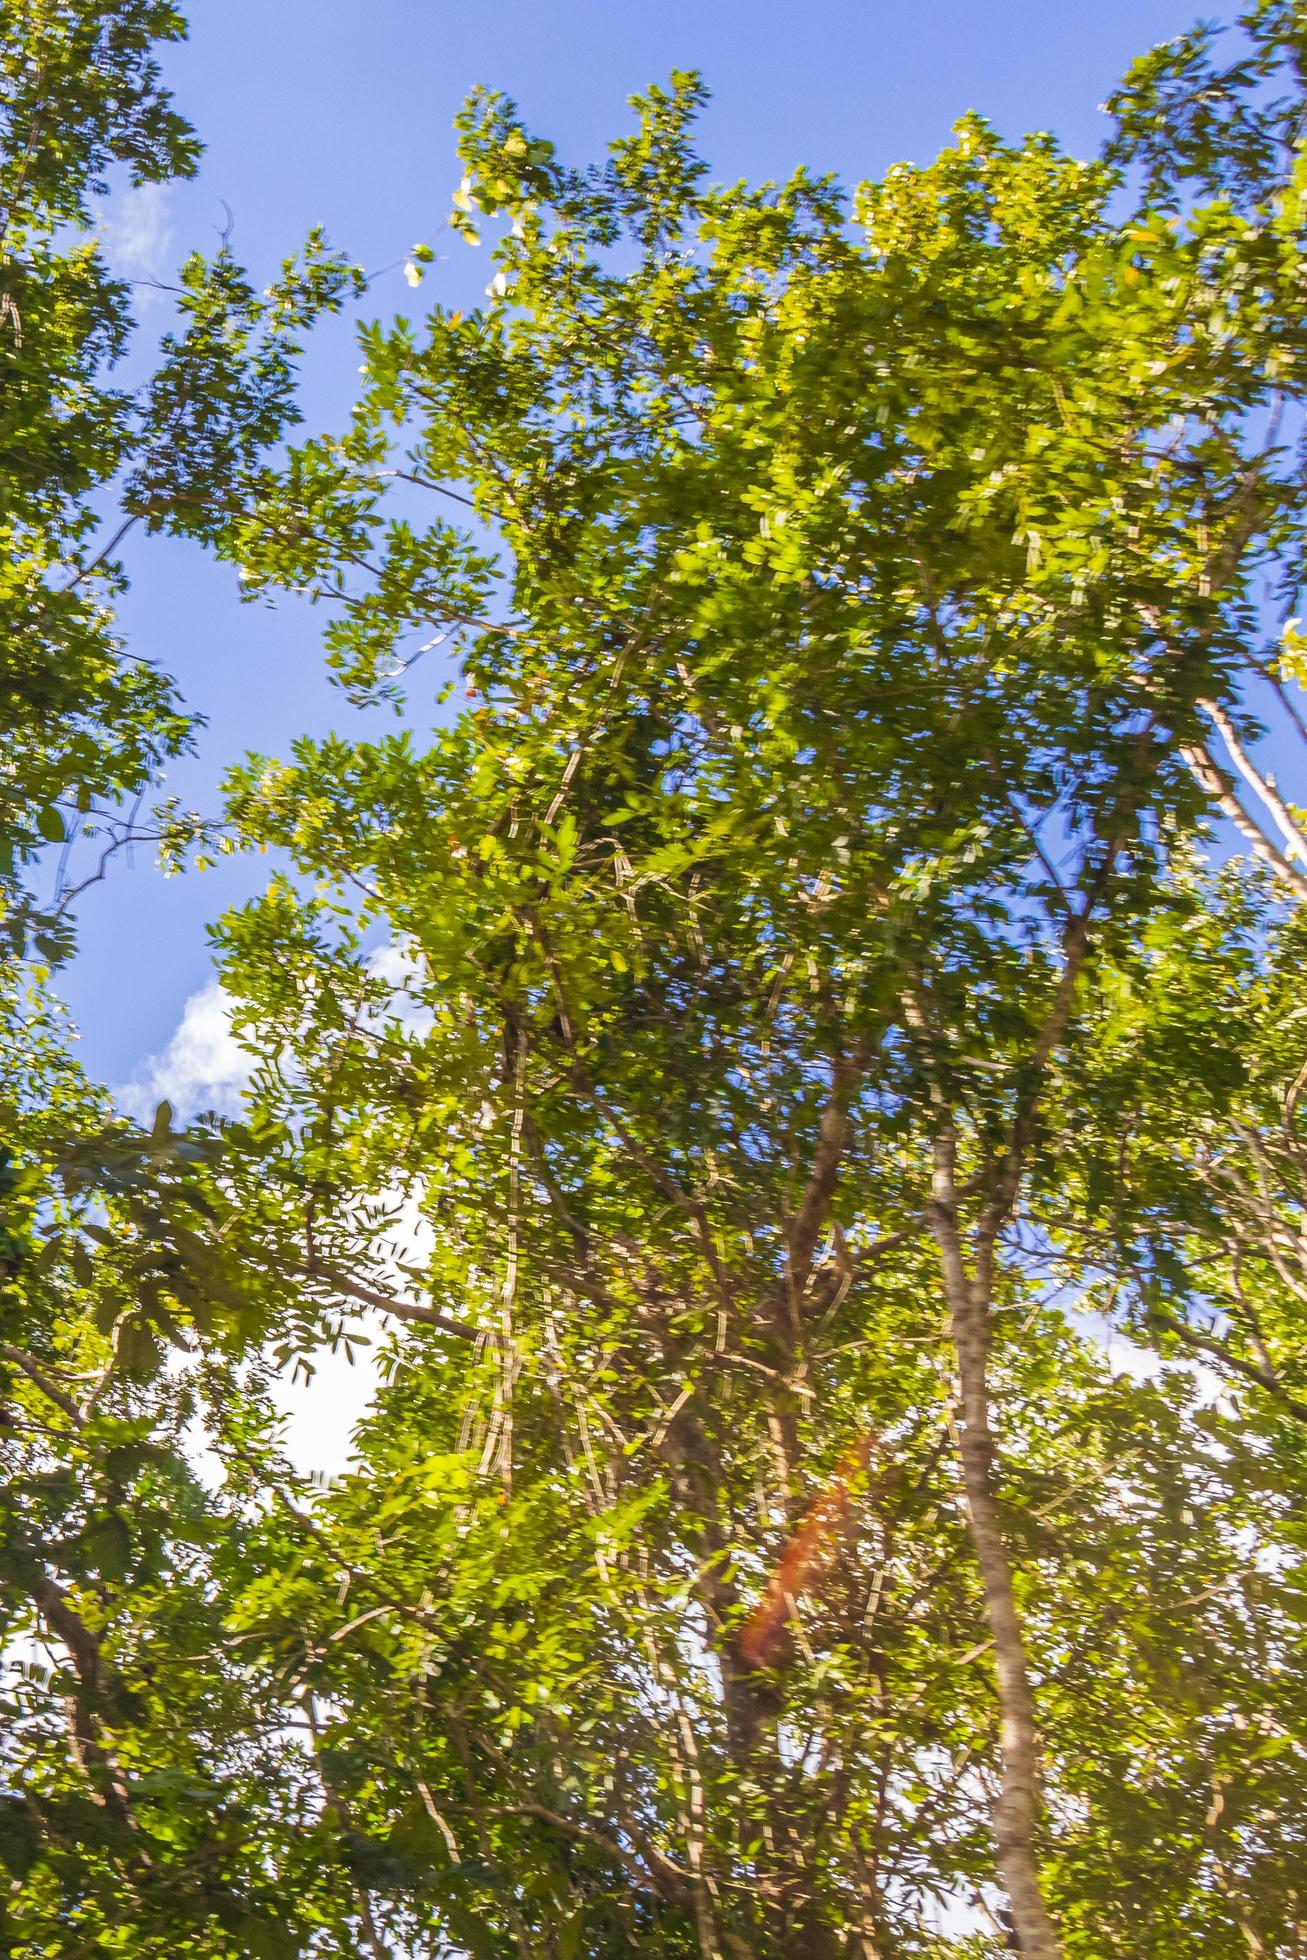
[[321, 1415], [203, 1066], [136, 231]]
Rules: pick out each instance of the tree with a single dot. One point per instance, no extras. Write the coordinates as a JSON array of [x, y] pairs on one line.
[[802, 1003], [102, 1516], [869, 603], [82, 462]]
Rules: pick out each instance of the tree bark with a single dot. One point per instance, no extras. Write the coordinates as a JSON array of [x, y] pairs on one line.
[[91, 1751], [1016, 1812]]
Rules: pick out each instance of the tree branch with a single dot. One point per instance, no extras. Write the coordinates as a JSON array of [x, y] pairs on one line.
[[1263, 785], [1214, 782], [1250, 1370], [369, 1296]]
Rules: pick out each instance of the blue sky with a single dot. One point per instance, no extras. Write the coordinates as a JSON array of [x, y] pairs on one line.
[[340, 113]]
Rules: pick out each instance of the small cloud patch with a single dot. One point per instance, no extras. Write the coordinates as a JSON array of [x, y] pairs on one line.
[[203, 1067], [136, 232]]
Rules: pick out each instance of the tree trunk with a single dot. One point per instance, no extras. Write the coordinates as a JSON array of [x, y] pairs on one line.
[[1017, 1810]]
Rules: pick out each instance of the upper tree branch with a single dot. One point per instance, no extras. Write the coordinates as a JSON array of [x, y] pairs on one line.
[[370, 1296], [1212, 779]]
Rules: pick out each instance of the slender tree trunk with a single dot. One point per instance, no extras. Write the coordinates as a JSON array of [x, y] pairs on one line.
[[91, 1749], [797, 1922], [1016, 1812]]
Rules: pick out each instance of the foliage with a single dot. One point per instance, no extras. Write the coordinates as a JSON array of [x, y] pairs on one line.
[[809, 1024], [86, 725], [109, 1542]]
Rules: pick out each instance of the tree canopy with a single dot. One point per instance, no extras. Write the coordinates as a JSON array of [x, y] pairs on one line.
[[828, 987]]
